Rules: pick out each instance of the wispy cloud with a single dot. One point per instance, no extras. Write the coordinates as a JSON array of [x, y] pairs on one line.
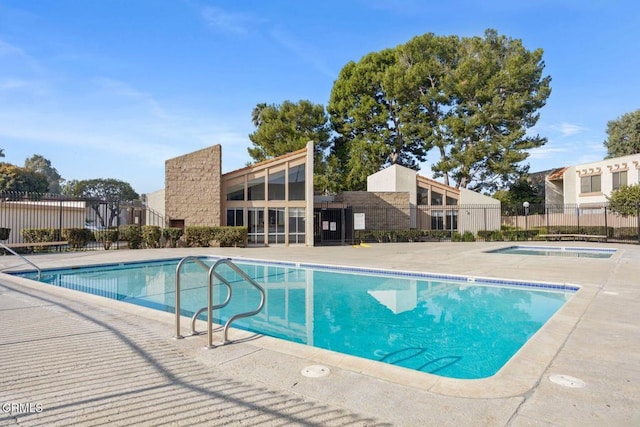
[[302, 51], [546, 152], [568, 129], [227, 22]]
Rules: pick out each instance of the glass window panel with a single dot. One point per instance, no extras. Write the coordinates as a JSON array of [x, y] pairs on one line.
[[276, 186], [236, 192], [255, 189], [436, 198], [585, 184], [595, 183], [422, 196], [451, 201], [437, 220], [296, 182]]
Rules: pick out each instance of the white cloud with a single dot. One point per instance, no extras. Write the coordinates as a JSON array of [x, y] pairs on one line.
[[568, 129], [304, 52], [234, 23]]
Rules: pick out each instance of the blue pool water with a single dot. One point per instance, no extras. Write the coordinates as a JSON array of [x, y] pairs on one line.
[[448, 326], [575, 252]]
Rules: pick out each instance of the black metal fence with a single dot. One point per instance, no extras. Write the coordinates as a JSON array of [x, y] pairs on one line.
[[341, 225], [489, 222], [20, 212]]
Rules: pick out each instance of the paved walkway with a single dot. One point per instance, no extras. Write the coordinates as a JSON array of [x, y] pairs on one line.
[[80, 359]]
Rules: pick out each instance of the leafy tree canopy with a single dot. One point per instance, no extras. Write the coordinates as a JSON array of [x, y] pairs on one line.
[[472, 99], [519, 192], [288, 127], [625, 200], [111, 191], [623, 135], [16, 179], [37, 163]]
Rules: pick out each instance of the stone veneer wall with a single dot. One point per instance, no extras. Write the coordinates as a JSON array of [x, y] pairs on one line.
[[383, 210], [193, 187]]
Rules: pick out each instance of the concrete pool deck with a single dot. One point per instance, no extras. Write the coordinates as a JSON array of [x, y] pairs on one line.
[[80, 359]]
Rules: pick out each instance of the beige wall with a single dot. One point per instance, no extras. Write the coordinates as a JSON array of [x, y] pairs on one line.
[[383, 210], [193, 187]]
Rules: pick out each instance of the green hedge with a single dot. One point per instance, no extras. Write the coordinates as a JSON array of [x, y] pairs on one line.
[[204, 236], [410, 235], [106, 237], [172, 234], [151, 235], [37, 235], [132, 234], [77, 237]]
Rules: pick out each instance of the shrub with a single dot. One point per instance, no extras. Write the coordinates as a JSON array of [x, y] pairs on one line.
[[172, 234], [77, 237], [490, 235], [132, 234], [204, 236], [151, 235], [4, 233], [106, 237], [468, 236], [36, 235]]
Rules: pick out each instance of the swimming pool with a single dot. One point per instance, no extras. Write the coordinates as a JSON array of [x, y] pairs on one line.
[[576, 252], [445, 325]]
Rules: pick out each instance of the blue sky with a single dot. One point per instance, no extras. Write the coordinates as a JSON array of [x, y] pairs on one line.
[[113, 88]]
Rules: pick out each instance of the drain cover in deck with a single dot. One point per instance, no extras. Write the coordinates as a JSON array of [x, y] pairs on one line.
[[567, 381], [315, 371]]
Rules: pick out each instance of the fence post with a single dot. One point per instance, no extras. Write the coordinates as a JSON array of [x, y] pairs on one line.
[[546, 215], [638, 218], [606, 228]]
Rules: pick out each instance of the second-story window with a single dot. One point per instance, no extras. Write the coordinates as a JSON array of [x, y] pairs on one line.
[[619, 179]]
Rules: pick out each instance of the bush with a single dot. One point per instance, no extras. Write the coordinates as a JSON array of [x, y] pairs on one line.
[[151, 236], [172, 234], [106, 237], [132, 234], [77, 237], [36, 235], [490, 235], [204, 236]]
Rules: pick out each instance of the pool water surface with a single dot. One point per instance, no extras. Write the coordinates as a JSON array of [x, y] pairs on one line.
[[574, 252], [445, 325]]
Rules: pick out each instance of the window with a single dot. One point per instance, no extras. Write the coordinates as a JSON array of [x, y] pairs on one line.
[[452, 220], [296, 225], [236, 192], [451, 201], [619, 179], [436, 198], [255, 189], [296, 183], [437, 220], [256, 225], [590, 184], [276, 186], [235, 217], [276, 225], [422, 196]]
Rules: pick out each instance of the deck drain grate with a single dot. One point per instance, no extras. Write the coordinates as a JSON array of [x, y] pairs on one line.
[[315, 371], [567, 381]]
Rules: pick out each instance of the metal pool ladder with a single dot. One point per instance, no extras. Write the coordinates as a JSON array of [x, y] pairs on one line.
[[6, 248], [210, 307]]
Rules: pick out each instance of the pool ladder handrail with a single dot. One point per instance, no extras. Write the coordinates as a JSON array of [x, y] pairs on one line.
[[6, 248], [210, 307]]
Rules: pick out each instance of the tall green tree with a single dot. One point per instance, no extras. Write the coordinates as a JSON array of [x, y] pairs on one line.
[[112, 192], [287, 127], [623, 135], [473, 99], [16, 179], [37, 163], [370, 111]]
